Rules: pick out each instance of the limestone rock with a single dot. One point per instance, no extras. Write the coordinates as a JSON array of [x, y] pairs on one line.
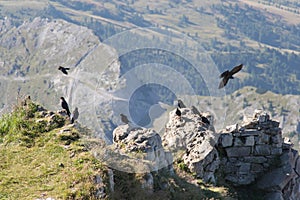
[[197, 139], [226, 140], [145, 142]]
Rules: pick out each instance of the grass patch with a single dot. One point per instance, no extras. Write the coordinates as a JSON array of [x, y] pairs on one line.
[[36, 163]]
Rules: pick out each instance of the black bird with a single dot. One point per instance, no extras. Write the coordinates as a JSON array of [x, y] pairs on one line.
[[64, 105], [63, 69], [178, 112], [228, 75], [75, 115], [205, 120], [180, 104]]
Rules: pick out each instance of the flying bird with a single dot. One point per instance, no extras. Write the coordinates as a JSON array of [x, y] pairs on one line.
[[229, 75], [180, 104], [64, 105], [63, 69], [75, 115], [124, 119]]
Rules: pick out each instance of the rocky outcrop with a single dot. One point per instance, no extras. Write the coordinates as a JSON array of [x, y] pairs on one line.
[[190, 134], [252, 153], [146, 142], [255, 153]]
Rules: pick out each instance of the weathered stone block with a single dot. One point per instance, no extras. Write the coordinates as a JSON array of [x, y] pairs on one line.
[[276, 139], [276, 151], [238, 142], [272, 131], [226, 140], [255, 159], [250, 141], [245, 179], [244, 168], [262, 139], [229, 168], [256, 168], [238, 151], [251, 132], [262, 150], [277, 145]]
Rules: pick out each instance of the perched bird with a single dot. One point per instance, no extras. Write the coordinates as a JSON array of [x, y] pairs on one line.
[[180, 104], [205, 120], [64, 105], [75, 115], [178, 112], [195, 111], [63, 69], [124, 118], [229, 75]]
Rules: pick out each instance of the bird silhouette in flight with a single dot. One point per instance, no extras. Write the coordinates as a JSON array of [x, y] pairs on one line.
[[229, 75], [75, 115], [64, 105], [63, 69]]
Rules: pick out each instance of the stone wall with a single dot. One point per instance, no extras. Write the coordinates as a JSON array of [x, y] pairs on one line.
[[255, 153]]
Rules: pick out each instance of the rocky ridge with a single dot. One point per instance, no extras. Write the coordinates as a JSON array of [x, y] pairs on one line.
[[250, 154]]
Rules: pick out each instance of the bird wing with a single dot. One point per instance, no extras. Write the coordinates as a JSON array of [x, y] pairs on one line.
[[224, 74], [67, 68], [223, 82], [236, 69]]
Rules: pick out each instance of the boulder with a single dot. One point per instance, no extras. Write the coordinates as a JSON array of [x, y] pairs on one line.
[[197, 139], [146, 144]]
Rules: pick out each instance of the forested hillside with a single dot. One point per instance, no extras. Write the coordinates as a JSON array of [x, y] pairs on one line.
[[231, 32]]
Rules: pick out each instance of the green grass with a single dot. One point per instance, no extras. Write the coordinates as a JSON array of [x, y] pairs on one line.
[[36, 162]]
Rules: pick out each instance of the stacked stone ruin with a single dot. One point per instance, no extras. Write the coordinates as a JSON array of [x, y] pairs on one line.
[[255, 153], [251, 149]]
